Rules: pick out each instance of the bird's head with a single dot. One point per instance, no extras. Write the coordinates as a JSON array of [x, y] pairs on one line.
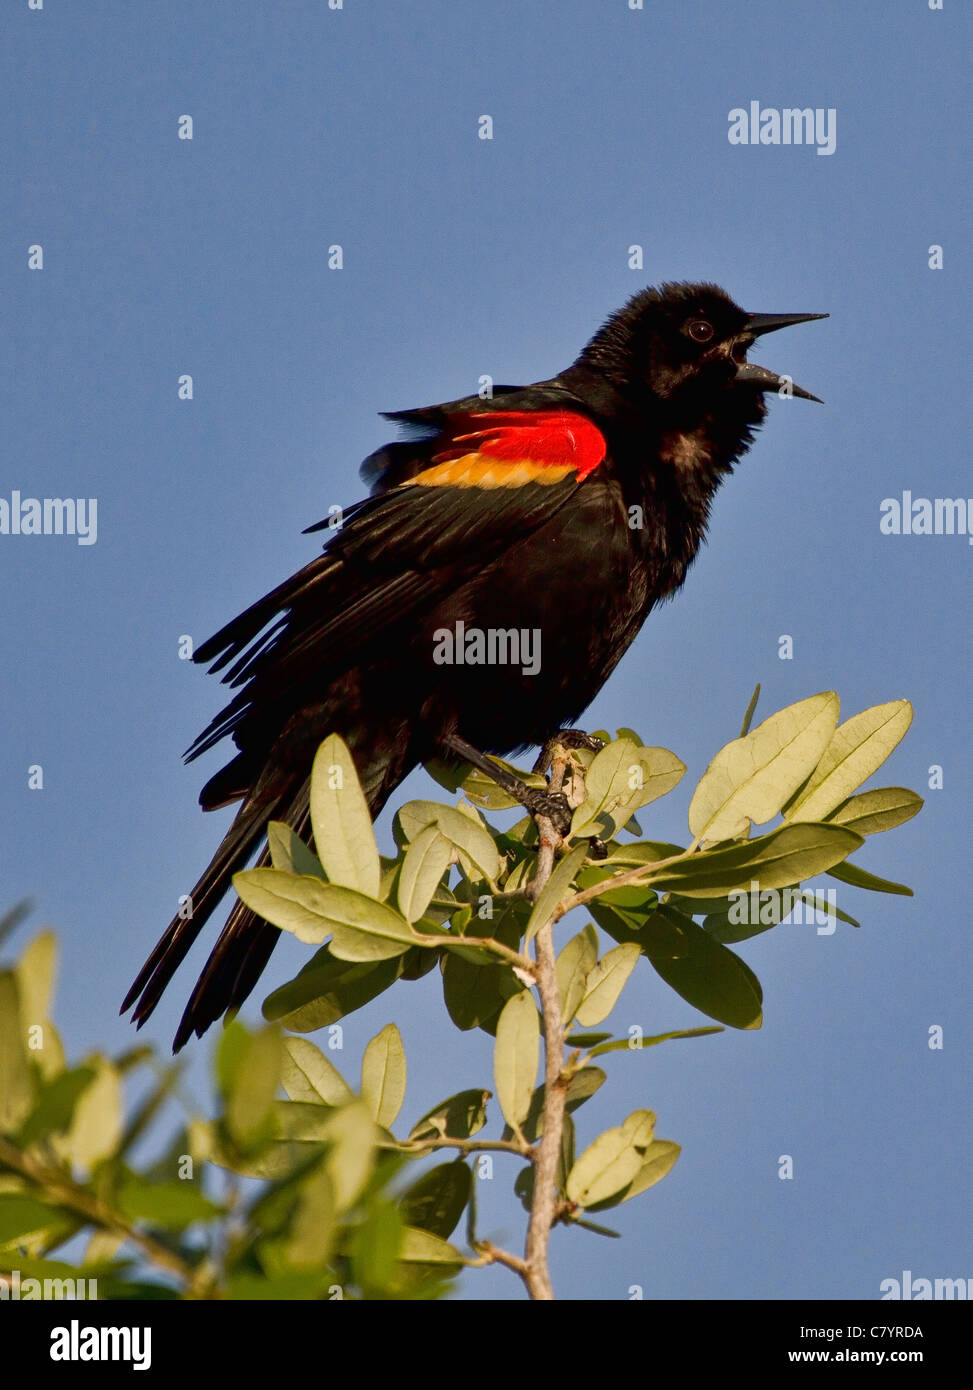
[[688, 342]]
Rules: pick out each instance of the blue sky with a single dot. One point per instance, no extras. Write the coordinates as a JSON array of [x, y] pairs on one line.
[[358, 127]]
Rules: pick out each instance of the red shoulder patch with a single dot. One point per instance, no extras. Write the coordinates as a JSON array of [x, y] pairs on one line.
[[559, 439]]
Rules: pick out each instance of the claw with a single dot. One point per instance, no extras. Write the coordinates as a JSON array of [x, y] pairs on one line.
[[552, 805]]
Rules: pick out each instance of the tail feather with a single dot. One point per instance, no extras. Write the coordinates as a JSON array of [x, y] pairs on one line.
[[239, 956], [171, 949], [246, 941]]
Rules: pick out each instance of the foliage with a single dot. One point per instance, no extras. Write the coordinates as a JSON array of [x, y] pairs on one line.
[[329, 1211]]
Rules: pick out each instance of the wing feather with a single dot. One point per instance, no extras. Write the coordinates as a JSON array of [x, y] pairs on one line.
[[481, 485]]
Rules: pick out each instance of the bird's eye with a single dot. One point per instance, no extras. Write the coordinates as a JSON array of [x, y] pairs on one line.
[[700, 331]]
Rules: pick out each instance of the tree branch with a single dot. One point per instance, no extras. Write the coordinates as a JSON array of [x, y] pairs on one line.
[[631, 877], [467, 1146], [536, 1274]]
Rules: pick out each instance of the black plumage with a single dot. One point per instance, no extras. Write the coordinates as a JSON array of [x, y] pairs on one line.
[[568, 508]]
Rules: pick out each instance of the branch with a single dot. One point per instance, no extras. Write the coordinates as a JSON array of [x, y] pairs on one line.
[[631, 876], [492, 1254], [478, 943], [536, 1274], [468, 1146]]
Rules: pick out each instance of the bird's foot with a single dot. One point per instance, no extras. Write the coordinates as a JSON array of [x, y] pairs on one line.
[[567, 738], [553, 806], [557, 807]]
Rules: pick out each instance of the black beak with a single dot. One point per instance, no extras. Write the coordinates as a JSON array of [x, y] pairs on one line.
[[758, 324], [760, 377]]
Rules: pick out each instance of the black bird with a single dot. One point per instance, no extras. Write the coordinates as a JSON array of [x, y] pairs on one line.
[[566, 509]]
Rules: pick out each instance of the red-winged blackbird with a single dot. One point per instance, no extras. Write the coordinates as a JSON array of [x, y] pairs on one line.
[[564, 510]]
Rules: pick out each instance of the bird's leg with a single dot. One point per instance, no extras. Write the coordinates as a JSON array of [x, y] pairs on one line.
[[535, 800]]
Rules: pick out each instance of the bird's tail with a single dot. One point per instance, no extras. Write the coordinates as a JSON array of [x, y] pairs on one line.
[[244, 934], [246, 941]]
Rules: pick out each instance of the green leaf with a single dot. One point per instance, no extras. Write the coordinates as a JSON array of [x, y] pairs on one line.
[[637, 1044], [383, 1073], [289, 852], [861, 878], [783, 857], [342, 826], [475, 991], [307, 1075], [709, 976], [56, 1104], [516, 1056], [470, 837], [620, 779], [777, 908], [308, 1244], [630, 734], [556, 890], [605, 984], [484, 792], [610, 1164], [375, 1248], [96, 1127], [171, 1205], [450, 775], [422, 1247], [437, 1201], [307, 1122], [230, 1053], [751, 710], [751, 778], [858, 748], [272, 1160], [327, 989], [643, 852], [24, 1218], [456, 1117], [658, 1159], [35, 979], [575, 962], [256, 1073], [360, 927], [16, 1083], [565, 1156], [598, 1230], [882, 809], [426, 860], [351, 1156], [816, 904]]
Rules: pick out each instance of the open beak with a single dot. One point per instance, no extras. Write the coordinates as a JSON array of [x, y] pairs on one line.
[[760, 377]]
